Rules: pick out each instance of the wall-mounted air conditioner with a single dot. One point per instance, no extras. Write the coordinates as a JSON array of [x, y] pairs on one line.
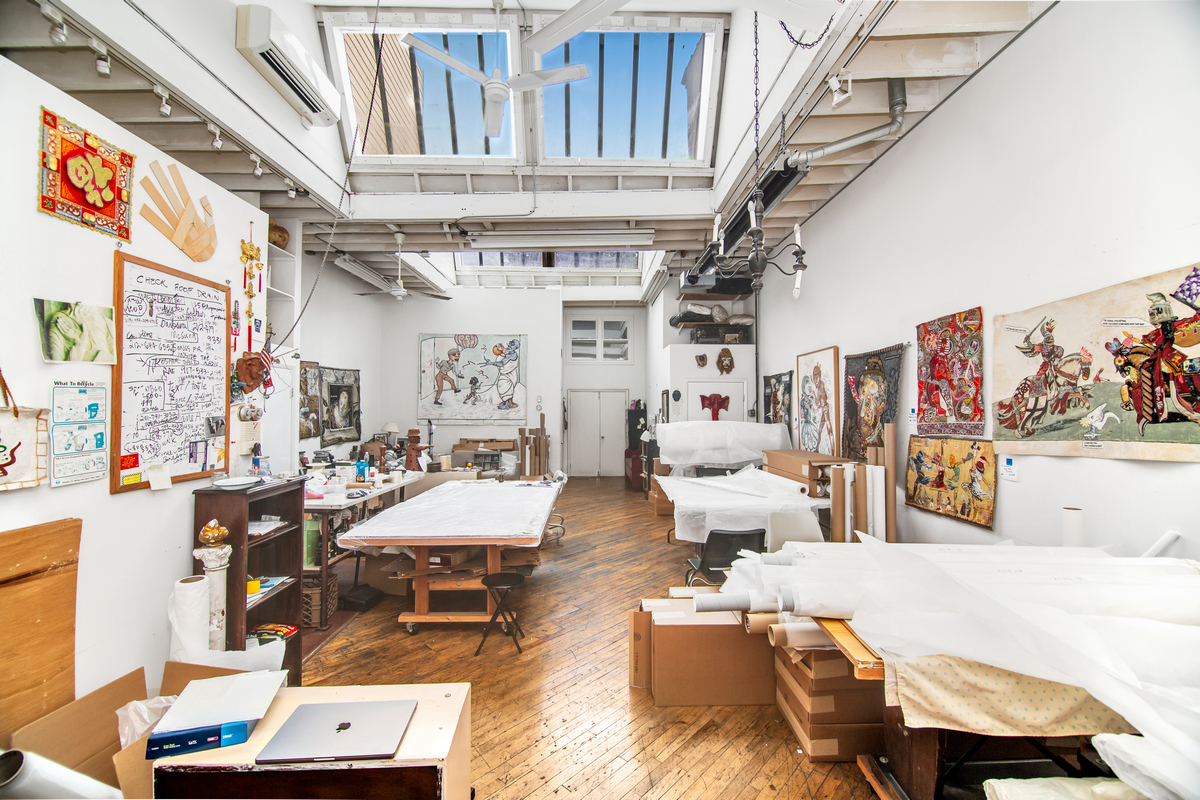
[[276, 52]]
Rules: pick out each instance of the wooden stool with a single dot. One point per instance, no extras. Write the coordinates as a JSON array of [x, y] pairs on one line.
[[499, 585]]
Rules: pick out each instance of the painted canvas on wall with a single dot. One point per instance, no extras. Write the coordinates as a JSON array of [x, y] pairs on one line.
[[817, 401], [952, 477], [84, 179], [1113, 373], [872, 396], [310, 399], [777, 398], [339, 406], [472, 378], [950, 375]]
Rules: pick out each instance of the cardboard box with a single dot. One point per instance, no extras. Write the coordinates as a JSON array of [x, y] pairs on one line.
[[378, 572], [660, 468], [639, 649], [799, 465], [829, 707], [833, 742], [700, 659], [821, 670], [658, 499], [83, 734], [453, 556]]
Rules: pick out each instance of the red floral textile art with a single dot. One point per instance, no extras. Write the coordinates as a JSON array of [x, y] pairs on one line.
[[84, 179], [950, 375]]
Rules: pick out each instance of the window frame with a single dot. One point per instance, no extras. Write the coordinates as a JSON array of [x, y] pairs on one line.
[[338, 23], [600, 317], [713, 25]]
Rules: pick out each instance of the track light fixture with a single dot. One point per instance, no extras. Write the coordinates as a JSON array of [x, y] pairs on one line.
[[58, 28], [164, 108], [291, 188], [216, 132], [842, 87], [257, 164], [103, 64]]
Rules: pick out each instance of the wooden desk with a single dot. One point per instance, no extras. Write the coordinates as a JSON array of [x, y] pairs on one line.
[[482, 513], [323, 509], [434, 759]]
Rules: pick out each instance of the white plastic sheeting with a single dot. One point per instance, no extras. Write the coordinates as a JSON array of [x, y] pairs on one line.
[[478, 511], [737, 502], [719, 443], [1060, 789]]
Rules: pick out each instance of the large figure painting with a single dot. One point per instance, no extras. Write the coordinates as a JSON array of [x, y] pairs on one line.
[[953, 477], [472, 378], [777, 398], [950, 375], [872, 389], [1114, 373], [310, 399], [817, 410], [339, 406]]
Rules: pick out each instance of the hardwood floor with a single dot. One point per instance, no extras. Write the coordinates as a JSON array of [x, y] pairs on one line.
[[560, 720]]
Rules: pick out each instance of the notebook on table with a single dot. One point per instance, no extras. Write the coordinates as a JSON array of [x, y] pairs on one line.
[[340, 732]]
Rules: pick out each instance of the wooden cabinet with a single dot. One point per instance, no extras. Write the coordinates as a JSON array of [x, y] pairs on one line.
[[278, 554]]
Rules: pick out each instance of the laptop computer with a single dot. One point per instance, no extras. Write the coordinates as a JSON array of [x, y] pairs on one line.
[[340, 732]]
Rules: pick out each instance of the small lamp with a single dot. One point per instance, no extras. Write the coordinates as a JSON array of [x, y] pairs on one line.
[[389, 428]]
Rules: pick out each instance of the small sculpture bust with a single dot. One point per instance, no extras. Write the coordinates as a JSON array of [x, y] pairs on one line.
[[212, 534]]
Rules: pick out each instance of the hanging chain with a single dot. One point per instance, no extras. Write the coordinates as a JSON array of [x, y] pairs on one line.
[[806, 45], [756, 147]]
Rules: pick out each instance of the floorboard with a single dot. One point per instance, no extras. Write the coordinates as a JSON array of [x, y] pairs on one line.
[[560, 720]]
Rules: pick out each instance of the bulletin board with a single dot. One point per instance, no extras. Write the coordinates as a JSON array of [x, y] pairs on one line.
[[171, 379]]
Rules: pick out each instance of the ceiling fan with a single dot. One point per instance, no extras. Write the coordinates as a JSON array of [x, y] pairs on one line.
[[495, 89]]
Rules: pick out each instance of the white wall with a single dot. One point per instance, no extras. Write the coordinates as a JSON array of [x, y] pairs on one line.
[[658, 363], [1060, 168], [535, 312], [629, 374], [135, 545], [684, 369]]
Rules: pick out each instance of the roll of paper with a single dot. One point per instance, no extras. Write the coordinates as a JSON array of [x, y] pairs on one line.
[[861, 505], [780, 559], [721, 601], [848, 513], [786, 601], [758, 623], [872, 480], [879, 502], [798, 635], [763, 604], [445, 462], [188, 610], [889, 464], [1073, 527], [28, 775], [837, 511]]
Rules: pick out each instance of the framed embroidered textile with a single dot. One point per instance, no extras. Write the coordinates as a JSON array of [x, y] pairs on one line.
[[84, 179], [871, 397], [950, 375]]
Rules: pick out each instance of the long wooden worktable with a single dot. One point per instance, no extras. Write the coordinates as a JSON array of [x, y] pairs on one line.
[[493, 515]]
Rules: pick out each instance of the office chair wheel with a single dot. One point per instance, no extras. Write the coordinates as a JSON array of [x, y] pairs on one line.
[[411, 627]]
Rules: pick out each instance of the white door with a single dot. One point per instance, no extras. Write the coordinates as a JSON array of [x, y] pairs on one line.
[[596, 432]]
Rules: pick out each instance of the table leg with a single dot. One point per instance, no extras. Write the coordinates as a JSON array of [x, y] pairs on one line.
[[323, 617], [493, 566], [421, 582]]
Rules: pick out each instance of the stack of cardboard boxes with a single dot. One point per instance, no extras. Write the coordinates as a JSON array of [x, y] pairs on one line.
[[836, 716], [810, 469], [658, 498]]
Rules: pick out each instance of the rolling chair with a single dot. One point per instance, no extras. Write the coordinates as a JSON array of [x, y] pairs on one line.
[[792, 526], [719, 553]]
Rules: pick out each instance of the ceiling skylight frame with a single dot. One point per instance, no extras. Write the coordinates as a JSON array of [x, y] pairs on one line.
[[713, 26], [336, 24]]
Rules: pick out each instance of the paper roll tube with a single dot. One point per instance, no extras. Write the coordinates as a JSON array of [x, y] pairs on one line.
[[837, 509], [786, 601], [780, 559], [872, 480], [763, 604], [848, 512], [445, 461], [1073, 527], [889, 463], [860, 499], [721, 601], [758, 623], [879, 498], [188, 611], [798, 635], [28, 775]]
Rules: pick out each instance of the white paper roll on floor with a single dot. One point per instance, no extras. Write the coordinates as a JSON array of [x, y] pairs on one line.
[[188, 610], [721, 601], [28, 775], [1073, 527], [878, 501], [798, 634]]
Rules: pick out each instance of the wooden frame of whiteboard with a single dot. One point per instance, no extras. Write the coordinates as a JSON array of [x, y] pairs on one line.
[[114, 467], [837, 400]]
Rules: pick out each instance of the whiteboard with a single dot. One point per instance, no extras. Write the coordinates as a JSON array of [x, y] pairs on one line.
[[171, 397]]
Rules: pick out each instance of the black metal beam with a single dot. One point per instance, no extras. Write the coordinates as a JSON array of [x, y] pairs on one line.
[[383, 103], [418, 99], [633, 94], [567, 102], [667, 102], [450, 99], [600, 105]]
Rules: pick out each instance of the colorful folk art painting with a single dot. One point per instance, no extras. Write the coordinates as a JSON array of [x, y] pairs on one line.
[[310, 399], [950, 375], [817, 409], [952, 477], [472, 378], [1113, 373], [871, 398], [84, 179], [777, 398]]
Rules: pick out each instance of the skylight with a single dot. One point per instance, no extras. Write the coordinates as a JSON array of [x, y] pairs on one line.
[[568, 259]]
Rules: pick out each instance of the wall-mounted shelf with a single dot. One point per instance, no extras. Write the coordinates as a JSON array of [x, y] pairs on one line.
[[278, 252], [693, 296], [683, 325], [279, 293]]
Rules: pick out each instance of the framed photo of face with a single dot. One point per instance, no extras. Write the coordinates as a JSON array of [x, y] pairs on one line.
[[340, 420], [818, 410]]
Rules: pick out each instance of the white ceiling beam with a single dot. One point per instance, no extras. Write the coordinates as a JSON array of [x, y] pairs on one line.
[[677, 203], [913, 17]]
